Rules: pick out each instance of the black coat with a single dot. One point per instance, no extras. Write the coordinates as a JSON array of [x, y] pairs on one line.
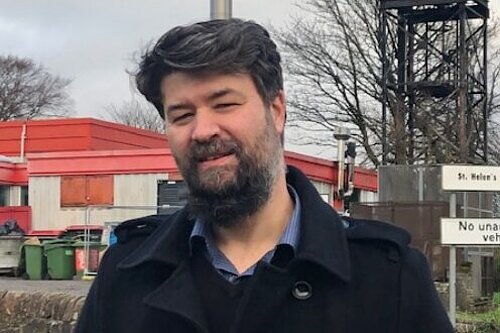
[[361, 277]]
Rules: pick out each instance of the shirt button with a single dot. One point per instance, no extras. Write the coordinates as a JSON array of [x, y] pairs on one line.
[[302, 290]]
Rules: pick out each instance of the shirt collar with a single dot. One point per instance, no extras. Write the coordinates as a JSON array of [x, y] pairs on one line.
[[289, 237]]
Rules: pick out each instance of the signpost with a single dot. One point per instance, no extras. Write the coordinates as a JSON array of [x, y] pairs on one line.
[[465, 231], [453, 267]]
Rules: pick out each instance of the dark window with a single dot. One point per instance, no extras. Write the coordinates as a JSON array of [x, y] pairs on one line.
[[4, 195], [24, 196], [171, 194]]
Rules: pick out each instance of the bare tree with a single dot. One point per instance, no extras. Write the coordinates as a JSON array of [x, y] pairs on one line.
[[334, 69], [333, 72], [136, 114], [28, 91], [494, 108]]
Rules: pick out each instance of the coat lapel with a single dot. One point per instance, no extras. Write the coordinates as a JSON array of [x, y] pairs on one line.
[[323, 240], [178, 295], [169, 246]]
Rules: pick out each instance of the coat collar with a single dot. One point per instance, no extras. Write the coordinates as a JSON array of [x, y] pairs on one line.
[[322, 239]]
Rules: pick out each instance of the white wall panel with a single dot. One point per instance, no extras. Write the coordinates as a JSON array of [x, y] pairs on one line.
[[129, 190], [44, 199], [324, 189], [15, 196], [367, 196]]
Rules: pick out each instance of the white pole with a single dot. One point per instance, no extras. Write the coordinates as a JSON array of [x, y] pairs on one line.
[[453, 267], [420, 183], [23, 139]]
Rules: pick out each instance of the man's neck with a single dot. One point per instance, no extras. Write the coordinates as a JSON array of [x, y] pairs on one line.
[[247, 242]]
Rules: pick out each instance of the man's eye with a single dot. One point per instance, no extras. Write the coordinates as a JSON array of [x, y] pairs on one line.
[[225, 105], [181, 117]]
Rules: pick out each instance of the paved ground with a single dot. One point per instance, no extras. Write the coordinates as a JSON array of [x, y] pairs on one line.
[[75, 287]]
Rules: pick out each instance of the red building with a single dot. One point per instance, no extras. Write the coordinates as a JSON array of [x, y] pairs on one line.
[[52, 171]]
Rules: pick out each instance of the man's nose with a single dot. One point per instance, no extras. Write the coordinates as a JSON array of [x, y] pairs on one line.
[[205, 126]]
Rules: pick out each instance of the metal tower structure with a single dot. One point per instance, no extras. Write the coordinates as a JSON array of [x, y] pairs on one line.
[[435, 59]]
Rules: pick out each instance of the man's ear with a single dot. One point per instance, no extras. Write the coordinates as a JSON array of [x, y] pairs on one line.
[[278, 111]]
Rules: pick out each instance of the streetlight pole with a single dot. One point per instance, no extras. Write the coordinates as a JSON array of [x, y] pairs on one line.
[[221, 9]]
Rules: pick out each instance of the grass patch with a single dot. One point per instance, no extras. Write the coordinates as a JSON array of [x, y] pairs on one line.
[[486, 321], [491, 317]]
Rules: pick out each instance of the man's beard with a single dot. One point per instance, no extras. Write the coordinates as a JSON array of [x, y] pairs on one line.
[[227, 195]]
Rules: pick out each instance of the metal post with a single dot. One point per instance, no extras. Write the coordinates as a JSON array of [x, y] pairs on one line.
[[420, 183], [383, 50], [466, 214], [486, 113], [221, 9], [342, 134], [480, 203], [411, 91], [341, 167], [462, 107], [86, 239], [453, 268]]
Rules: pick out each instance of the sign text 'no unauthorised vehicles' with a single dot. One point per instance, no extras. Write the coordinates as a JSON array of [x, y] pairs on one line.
[[465, 231]]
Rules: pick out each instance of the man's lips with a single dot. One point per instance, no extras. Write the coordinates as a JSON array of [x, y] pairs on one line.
[[216, 160], [214, 157]]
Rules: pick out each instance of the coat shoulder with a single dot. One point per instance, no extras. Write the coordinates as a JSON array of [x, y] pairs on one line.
[[140, 228], [132, 234], [360, 230]]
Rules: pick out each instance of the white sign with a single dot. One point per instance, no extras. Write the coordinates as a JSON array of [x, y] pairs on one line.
[[470, 178], [465, 231]]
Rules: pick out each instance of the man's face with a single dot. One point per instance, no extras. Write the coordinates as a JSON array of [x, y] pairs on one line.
[[225, 142]]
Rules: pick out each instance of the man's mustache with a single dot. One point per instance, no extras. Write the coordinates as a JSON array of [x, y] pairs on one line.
[[216, 147]]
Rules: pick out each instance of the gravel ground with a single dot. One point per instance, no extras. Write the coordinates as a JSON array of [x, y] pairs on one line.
[[74, 287]]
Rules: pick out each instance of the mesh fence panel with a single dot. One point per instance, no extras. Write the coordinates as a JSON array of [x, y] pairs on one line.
[[410, 183], [110, 217]]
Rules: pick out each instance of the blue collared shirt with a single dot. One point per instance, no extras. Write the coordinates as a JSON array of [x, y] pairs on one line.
[[289, 238]]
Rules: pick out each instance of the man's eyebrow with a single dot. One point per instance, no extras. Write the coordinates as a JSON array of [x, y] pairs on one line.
[[210, 97], [178, 106], [223, 92]]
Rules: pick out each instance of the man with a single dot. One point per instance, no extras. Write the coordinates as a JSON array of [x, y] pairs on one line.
[[256, 249]]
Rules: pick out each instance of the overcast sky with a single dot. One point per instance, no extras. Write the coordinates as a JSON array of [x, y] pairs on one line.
[[92, 42]]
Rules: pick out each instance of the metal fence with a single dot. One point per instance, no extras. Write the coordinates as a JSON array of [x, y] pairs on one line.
[[109, 217], [419, 183]]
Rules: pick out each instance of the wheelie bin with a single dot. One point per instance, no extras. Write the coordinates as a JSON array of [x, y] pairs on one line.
[[35, 261], [60, 259], [10, 251], [94, 251]]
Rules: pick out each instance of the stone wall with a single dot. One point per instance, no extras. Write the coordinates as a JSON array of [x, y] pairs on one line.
[[442, 289], [22, 312], [465, 291]]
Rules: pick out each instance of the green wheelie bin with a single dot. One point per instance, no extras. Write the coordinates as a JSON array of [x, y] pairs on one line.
[[35, 261], [60, 259]]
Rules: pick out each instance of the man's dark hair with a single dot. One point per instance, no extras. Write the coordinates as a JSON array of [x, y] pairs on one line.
[[212, 47]]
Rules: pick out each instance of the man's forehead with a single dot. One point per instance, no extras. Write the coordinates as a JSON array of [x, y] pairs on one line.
[[183, 85]]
